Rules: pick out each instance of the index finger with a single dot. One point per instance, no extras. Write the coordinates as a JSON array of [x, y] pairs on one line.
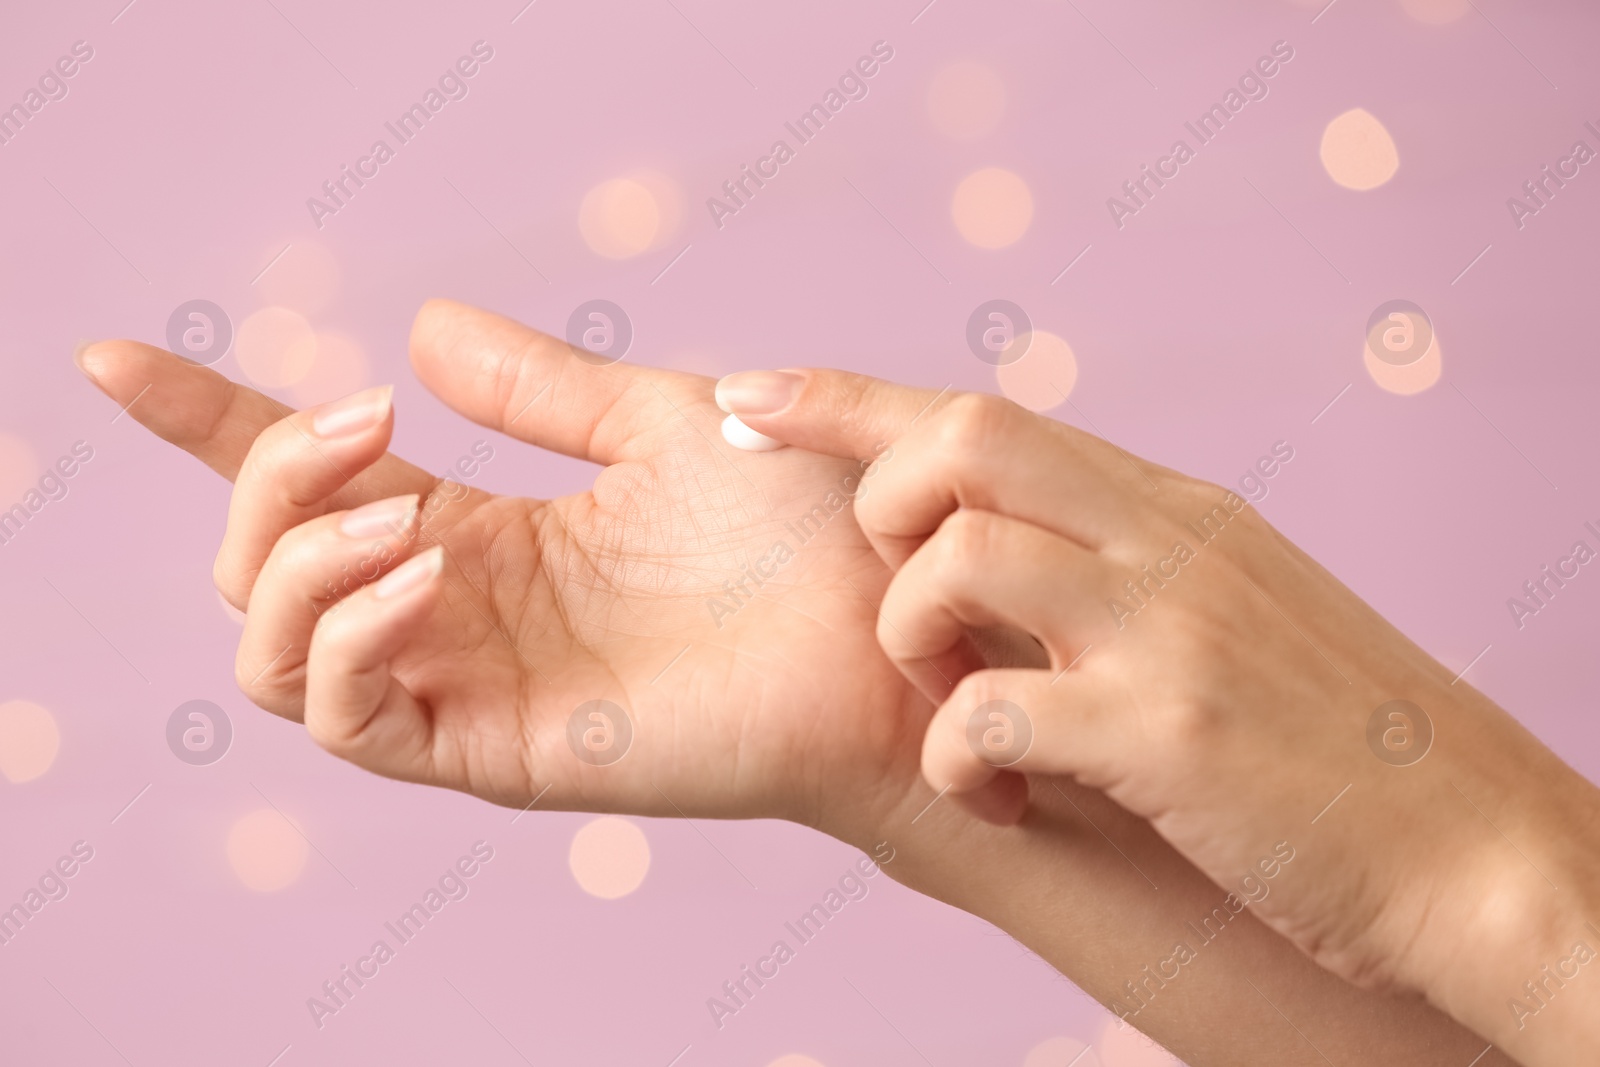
[[215, 419], [952, 450], [832, 412]]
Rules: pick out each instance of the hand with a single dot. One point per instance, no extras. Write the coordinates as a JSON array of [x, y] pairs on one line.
[[787, 709], [1212, 678], [512, 612]]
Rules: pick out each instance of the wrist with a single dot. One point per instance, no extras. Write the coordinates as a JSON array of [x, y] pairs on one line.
[[1525, 969], [857, 793], [890, 792]]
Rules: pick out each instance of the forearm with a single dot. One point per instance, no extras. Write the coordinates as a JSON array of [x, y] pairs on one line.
[[1096, 893]]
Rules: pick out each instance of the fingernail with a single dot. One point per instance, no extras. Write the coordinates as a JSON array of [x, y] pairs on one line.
[[356, 412], [77, 356], [743, 437], [758, 392], [380, 518], [412, 574]]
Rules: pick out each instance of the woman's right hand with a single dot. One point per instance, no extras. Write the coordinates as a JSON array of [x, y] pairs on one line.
[[475, 662]]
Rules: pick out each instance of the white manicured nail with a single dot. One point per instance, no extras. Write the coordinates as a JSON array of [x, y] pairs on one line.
[[743, 437]]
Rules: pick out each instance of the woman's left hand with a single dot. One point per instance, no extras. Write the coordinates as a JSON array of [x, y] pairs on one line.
[[1209, 676]]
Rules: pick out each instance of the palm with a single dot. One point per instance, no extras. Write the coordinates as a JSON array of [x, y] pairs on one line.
[[604, 595]]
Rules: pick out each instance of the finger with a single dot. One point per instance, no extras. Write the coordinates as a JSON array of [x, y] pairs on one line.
[[983, 452], [214, 419], [504, 375], [355, 707], [853, 415], [1001, 800], [833, 412], [937, 452], [309, 571], [981, 569], [1000, 724], [292, 470]]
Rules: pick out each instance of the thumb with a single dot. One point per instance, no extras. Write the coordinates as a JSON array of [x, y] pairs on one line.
[[829, 411]]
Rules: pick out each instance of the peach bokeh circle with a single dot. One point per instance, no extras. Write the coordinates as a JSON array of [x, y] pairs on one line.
[[266, 852], [1358, 152], [992, 207], [276, 347], [29, 741], [1410, 379], [1436, 12], [1120, 1045], [19, 468], [1059, 1051], [1043, 378], [609, 857], [619, 218]]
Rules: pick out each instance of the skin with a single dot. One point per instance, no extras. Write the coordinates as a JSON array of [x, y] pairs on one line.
[[1221, 684], [512, 612]]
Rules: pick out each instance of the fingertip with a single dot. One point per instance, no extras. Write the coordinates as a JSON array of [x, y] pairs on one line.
[[433, 318], [353, 415], [78, 353], [441, 324], [418, 573], [99, 359], [836, 413], [433, 311], [948, 762]]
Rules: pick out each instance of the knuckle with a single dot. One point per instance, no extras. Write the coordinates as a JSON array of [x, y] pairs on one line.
[[265, 684], [244, 676], [974, 422], [277, 465], [977, 688], [512, 375], [868, 508], [1208, 499], [1196, 644], [333, 634], [888, 637], [265, 459], [849, 400], [1190, 725], [964, 538], [324, 730], [234, 587], [298, 555], [1204, 492], [985, 715]]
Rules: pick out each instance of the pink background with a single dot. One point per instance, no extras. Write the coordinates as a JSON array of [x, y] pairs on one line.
[[1204, 331]]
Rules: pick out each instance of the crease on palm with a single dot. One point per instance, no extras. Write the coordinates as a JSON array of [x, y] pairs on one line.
[[589, 590]]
